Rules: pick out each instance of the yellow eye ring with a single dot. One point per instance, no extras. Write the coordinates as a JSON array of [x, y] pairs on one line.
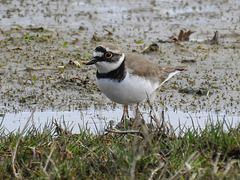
[[108, 55]]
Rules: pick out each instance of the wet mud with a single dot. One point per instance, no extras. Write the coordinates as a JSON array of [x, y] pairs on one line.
[[44, 47]]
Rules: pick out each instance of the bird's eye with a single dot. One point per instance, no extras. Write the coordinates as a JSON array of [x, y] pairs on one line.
[[108, 55]]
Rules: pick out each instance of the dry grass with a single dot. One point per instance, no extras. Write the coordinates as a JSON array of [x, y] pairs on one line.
[[141, 153]]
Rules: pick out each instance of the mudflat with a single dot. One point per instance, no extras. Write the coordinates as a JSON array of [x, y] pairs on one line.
[[44, 47]]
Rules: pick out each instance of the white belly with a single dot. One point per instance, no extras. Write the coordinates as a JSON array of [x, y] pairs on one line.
[[133, 89]]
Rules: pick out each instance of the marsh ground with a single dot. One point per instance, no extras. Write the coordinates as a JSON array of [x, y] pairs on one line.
[[40, 40], [44, 46]]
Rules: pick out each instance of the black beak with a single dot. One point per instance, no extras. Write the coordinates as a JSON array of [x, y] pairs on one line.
[[93, 61]]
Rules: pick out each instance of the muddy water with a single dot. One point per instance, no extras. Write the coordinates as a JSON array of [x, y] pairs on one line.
[[38, 39]]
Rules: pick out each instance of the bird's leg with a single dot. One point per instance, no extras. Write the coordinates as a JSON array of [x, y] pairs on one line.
[[125, 112]]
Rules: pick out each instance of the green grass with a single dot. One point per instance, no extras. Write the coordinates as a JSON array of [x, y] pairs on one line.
[[54, 153]]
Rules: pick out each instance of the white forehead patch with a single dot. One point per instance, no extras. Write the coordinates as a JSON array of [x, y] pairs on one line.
[[113, 51], [97, 54]]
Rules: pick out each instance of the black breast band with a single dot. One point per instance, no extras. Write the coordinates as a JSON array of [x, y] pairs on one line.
[[117, 74]]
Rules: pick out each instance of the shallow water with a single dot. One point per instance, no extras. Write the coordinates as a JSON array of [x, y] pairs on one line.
[[97, 120]]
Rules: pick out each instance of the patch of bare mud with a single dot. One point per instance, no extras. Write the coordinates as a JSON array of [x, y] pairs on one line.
[[39, 41]]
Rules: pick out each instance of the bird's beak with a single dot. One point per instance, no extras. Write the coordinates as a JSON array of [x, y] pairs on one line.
[[93, 61]]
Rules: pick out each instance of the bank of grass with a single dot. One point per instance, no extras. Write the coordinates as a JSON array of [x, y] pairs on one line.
[[211, 152]]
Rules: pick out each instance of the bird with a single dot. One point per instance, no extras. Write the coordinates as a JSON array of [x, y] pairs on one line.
[[129, 78]]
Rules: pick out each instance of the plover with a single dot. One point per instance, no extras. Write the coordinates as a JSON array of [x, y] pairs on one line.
[[128, 78]]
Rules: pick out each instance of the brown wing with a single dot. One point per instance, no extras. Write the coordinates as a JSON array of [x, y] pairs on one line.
[[170, 69], [143, 67]]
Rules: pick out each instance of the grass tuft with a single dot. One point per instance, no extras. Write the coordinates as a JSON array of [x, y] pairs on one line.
[[54, 152]]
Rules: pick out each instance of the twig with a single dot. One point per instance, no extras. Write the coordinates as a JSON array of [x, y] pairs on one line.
[[89, 150], [163, 171], [55, 168], [186, 164], [48, 159], [155, 171], [215, 165], [134, 162], [49, 156], [229, 166], [137, 149], [109, 32], [136, 156], [14, 154], [152, 116]]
